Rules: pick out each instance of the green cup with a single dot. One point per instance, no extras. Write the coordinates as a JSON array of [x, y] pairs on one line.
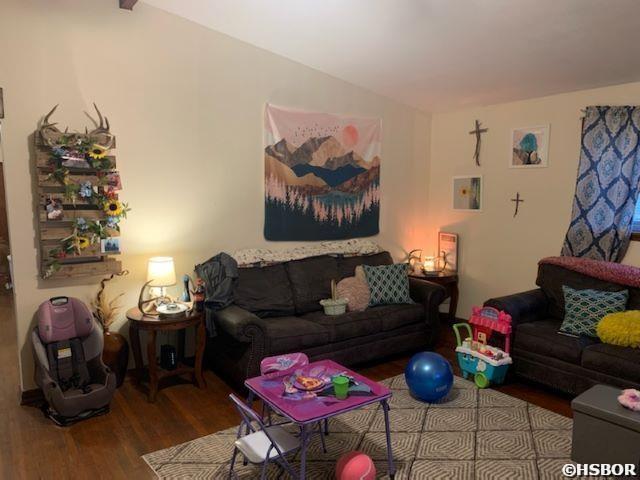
[[340, 386]]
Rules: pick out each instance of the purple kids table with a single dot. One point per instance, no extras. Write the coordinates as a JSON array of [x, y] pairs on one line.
[[307, 411]]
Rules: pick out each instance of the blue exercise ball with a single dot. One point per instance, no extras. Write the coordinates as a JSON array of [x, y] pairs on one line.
[[429, 376]]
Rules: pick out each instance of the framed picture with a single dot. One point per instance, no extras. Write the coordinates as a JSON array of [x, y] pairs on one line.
[[448, 248], [529, 147], [112, 180], [55, 211], [467, 193], [110, 245]]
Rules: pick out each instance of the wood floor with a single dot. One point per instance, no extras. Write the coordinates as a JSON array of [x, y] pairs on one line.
[[110, 446]]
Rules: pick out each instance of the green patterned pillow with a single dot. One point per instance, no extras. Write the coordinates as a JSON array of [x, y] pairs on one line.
[[583, 309], [389, 284]]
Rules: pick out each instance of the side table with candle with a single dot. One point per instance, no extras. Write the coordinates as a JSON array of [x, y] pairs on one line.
[[449, 280]]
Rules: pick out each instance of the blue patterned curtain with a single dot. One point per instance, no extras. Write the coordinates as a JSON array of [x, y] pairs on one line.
[[607, 187]]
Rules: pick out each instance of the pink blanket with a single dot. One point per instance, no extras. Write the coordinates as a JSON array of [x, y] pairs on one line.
[[627, 275]]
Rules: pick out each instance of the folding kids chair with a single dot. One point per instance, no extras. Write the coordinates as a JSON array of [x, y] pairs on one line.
[[262, 444]]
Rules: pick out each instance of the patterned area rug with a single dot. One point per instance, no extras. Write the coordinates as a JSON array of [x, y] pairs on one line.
[[473, 434]]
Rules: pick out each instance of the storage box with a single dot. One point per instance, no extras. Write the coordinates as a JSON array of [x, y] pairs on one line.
[[603, 430]]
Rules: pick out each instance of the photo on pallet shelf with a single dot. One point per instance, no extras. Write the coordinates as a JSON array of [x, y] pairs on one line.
[[110, 245], [54, 208], [78, 185]]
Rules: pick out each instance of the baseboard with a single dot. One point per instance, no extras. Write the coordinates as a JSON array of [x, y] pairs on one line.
[[32, 398]]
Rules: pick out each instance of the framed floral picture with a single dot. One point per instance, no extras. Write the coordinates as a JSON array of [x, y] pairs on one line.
[[529, 147], [467, 193], [448, 248]]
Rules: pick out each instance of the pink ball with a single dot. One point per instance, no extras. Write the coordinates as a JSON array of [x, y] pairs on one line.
[[355, 466]]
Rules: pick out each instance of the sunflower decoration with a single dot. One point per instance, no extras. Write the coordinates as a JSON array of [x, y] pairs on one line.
[[83, 242], [113, 207], [97, 152]]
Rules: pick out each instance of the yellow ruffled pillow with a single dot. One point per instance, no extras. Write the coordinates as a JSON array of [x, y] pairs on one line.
[[621, 328]]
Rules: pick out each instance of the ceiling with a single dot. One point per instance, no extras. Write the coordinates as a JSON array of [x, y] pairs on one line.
[[440, 55]]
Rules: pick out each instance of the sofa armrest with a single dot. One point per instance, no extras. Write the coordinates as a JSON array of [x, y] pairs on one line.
[[430, 295], [523, 307], [241, 324]]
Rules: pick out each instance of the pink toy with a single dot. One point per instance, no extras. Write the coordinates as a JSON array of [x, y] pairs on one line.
[[630, 398], [355, 466], [486, 320], [62, 318], [281, 365]]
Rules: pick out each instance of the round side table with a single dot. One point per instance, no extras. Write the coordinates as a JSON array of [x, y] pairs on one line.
[[151, 324]]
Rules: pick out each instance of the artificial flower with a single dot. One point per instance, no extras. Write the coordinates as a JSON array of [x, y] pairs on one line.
[[59, 151], [86, 190], [81, 224], [464, 191], [113, 208], [83, 242], [112, 222], [97, 151]]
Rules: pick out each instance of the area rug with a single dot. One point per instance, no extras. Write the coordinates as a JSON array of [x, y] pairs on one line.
[[472, 434]]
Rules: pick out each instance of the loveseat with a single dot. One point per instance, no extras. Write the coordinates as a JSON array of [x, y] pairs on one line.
[[276, 310], [566, 363]]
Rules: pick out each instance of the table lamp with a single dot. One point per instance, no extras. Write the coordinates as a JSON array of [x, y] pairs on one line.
[[161, 274]]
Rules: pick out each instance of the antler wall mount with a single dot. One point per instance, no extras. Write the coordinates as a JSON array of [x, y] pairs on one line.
[[79, 211]]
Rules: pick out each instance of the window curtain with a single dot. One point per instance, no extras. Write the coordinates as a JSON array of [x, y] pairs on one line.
[[607, 186]]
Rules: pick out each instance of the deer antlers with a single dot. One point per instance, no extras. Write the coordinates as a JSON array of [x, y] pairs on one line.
[[47, 130]]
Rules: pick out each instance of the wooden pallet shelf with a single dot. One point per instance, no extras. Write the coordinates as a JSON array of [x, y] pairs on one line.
[[91, 260]]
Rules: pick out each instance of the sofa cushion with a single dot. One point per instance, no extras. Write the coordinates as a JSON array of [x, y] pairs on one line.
[[388, 284], [621, 362], [347, 265], [292, 334], [583, 309], [551, 278], [542, 337], [348, 325], [397, 316], [265, 291], [311, 281]]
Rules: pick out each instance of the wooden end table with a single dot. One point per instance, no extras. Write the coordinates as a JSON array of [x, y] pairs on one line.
[[449, 280], [138, 321]]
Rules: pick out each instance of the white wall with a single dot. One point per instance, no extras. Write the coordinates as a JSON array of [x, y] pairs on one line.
[[499, 253], [186, 104]]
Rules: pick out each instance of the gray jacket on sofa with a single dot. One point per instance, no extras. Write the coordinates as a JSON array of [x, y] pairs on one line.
[[569, 364], [277, 310]]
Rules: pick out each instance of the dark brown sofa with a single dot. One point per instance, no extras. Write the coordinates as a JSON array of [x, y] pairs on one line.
[[277, 310], [562, 362]]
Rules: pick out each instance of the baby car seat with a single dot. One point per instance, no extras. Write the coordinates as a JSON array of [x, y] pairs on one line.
[[68, 352]]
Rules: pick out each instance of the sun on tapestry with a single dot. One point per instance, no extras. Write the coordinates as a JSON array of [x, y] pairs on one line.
[[322, 175]]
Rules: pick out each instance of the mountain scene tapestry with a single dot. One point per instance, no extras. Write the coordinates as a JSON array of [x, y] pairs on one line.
[[322, 175]]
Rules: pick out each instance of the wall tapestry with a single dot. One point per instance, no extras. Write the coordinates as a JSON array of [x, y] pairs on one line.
[[322, 175]]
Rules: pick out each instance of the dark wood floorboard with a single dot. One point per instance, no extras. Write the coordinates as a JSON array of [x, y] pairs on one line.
[[110, 446]]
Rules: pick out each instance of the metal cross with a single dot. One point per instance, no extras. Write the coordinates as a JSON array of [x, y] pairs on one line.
[[477, 132], [518, 200]]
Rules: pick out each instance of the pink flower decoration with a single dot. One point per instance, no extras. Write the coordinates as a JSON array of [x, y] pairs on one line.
[[630, 398]]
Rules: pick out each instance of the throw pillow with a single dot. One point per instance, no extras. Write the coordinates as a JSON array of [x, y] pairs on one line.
[[356, 291], [622, 329], [585, 308], [388, 284]]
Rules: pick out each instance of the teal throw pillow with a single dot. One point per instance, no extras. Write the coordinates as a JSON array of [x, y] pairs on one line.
[[583, 309], [389, 284]]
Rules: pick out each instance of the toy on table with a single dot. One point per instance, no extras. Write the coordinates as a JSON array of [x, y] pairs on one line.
[[486, 363]]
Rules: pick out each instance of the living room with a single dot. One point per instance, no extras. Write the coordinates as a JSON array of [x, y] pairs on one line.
[[475, 151]]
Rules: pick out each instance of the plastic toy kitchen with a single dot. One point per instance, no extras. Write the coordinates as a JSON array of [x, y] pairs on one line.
[[487, 364]]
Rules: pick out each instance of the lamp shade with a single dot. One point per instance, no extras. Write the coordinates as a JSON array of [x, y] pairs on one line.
[[161, 272]]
